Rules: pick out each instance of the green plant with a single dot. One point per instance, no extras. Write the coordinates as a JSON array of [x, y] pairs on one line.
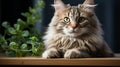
[[22, 39]]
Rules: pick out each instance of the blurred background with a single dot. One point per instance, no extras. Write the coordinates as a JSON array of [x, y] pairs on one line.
[[108, 12]]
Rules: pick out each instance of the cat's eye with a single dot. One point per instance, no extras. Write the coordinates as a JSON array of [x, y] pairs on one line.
[[66, 19], [81, 19]]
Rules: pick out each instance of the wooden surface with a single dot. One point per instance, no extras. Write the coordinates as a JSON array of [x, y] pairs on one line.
[[60, 61]]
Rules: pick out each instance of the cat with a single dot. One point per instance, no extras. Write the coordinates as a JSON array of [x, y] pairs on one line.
[[75, 32]]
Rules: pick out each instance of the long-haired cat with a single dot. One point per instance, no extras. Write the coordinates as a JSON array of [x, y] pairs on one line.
[[75, 32]]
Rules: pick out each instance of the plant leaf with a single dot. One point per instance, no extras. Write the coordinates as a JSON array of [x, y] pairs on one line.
[[21, 23], [24, 46], [17, 26], [31, 20], [3, 42], [34, 50], [11, 30], [5, 24], [25, 33], [34, 39], [27, 14], [32, 10], [13, 45], [10, 53]]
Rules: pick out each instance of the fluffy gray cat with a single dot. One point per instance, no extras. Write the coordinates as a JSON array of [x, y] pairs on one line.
[[75, 32]]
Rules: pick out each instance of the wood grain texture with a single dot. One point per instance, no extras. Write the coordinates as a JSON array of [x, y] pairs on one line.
[[60, 61]]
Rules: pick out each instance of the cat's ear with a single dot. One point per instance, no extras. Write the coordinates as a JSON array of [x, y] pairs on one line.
[[59, 5], [89, 4]]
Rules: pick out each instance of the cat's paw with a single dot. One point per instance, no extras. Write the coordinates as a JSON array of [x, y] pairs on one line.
[[74, 53], [50, 53]]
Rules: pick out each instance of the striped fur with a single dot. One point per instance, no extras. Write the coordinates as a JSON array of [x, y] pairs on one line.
[[76, 38]]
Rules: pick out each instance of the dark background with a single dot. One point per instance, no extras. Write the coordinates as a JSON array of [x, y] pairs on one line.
[[108, 12]]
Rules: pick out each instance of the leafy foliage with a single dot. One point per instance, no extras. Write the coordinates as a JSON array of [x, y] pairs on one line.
[[22, 39]]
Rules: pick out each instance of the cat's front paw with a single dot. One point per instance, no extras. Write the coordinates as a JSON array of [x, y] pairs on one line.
[[74, 53], [50, 53]]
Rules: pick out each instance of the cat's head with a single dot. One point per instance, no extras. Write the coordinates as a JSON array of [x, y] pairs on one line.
[[75, 20]]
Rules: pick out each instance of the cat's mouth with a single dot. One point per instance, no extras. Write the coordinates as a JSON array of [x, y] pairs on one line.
[[70, 33], [73, 30]]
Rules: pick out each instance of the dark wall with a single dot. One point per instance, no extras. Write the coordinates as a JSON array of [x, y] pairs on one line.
[[11, 9], [0, 9], [0, 14], [116, 25]]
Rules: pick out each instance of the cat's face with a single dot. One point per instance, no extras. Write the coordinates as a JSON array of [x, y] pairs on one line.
[[74, 20]]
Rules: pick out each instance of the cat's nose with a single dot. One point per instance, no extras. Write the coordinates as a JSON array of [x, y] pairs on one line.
[[73, 25]]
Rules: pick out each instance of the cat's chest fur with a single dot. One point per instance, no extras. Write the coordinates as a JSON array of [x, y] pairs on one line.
[[65, 42]]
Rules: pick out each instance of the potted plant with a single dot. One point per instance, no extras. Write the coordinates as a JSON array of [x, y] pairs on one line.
[[22, 39]]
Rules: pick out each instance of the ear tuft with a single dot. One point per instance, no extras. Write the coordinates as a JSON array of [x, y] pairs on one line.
[[91, 2], [58, 5]]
